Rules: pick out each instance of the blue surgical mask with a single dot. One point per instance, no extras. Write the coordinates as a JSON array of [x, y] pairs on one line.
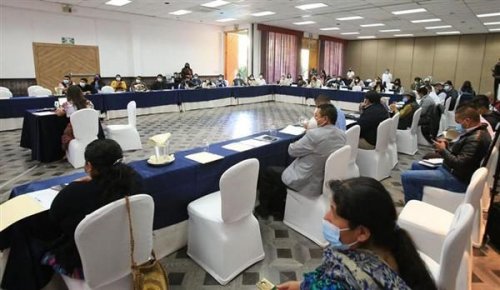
[[459, 128], [332, 234], [405, 100]]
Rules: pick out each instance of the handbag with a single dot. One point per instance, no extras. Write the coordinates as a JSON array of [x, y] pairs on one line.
[[150, 275]]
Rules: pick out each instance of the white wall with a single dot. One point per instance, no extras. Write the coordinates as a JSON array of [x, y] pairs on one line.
[[128, 44]]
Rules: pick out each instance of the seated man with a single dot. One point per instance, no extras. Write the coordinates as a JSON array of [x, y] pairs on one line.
[[221, 82], [238, 81], [86, 88], [159, 84], [305, 174], [372, 114], [320, 100], [195, 82], [459, 161], [482, 104]]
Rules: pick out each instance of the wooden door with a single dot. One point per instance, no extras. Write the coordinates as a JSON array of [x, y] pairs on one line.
[[54, 61]]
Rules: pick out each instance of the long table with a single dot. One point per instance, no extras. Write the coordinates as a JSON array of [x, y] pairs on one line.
[[174, 186]]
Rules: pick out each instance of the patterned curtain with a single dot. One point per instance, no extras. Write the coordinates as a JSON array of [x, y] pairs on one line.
[[333, 56], [281, 55]]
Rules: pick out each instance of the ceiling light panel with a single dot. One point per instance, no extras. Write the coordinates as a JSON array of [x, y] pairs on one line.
[[180, 12], [438, 27], [492, 23], [349, 33], [215, 3], [372, 25], [426, 20], [263, 13], [304, 22], [349, 18], [225, 19], [329, 28], [311, 6], [410, 11], [488, 15], [118, 2], [390, 30], [366, 37], [448, 32], [403, 35]]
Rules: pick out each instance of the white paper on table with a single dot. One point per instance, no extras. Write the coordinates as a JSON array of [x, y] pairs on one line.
[[254, 143], [44, 197], [238, 147], [349, 122], [204, 157], [45, 113], [293, 130]]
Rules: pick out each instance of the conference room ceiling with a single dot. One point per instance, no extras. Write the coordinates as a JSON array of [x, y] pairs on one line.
[[450, 16]]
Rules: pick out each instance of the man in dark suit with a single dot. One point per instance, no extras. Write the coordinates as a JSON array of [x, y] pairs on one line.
[[372, 114]]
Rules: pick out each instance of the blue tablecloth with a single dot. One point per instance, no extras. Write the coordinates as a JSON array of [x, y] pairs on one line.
[[15, 107], [201, 95], [248, 92], [174, 186], [119, 101]]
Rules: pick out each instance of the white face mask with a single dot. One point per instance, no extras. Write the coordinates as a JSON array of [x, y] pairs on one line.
[[118, 79], [447, 88], [82, 85], [220, 79], [159, 79], [66, 81], [138, 81]]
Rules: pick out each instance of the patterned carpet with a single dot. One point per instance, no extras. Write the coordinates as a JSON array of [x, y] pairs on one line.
[[288, 254]]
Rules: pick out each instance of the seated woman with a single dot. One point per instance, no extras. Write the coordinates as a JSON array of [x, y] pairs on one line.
[[76, 101], [44, 244], [407, 111], [367, 249]]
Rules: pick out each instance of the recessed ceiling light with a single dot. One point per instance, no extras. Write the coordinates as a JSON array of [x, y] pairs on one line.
[[372, 25], [225, 19], [180, 12], [349, 33], [304, 22], [488, 14], [311, 6], [349, 18], [403, 35], [306, 16], [118, 2], [448, 32], [492, 23], [437, 27], [329, 28], [494, 29], [366, 37], [263, 13], [390, 30], [426, 20], [410, 11], [215, 3]]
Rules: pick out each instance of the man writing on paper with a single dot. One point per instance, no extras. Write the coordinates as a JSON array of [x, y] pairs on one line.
[[459, 161], [305, 174]]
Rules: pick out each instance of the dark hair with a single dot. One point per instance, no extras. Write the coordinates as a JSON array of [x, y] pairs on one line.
[[117, 179], [85, 80], [322, 99], [373, 97], [118, 76], [468, 110], [481, 102], [417, 79], [67, 76], [422, 90], [159, 75], [397, 81], [329, 111], [466, 87], [364, 201], [75, 96]]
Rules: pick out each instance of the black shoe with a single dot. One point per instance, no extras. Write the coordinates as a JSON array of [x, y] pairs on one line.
[[261, 212]]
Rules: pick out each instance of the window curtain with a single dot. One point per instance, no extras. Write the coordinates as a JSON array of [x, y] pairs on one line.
[[280, 55], [332, 56]]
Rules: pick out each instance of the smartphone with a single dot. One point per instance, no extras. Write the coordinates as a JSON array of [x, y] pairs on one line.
[[264, 284]]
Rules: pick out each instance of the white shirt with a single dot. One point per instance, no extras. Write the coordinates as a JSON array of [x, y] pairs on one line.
[[350, 74], [387, 78], [261, 82]]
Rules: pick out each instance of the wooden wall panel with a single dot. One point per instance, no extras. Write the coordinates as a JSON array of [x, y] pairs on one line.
[[231, 56], [470, 60], [368, 68], [53, 61], [423, 56], [353, 56], [403, 61], [491, 57], [445, 58], [386, 54]]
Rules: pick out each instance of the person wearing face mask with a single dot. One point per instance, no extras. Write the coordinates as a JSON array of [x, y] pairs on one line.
[[396, 87], [300, 81], [251, 81], [118, 84], [372, 114], [417, 83], [450, 93], [261, 81], [238, 81], [86, 88], [289, 80], [407, 111], [282, 81], [357, 83], [305, 174], [460, 160], [97, 83], [429, 116], [138, 85], [160, 83], [65, 84], [367, 248], [186, 72], [320, 100], [350, 74], [386, 78], [195, 83], [221, 82], [315, 83]]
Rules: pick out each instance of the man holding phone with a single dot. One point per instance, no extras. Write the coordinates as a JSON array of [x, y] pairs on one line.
[[460, 160]]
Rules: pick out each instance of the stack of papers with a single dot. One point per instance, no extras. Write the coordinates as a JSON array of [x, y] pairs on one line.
[[433, 162], [204, 157], [45, 113], [254, 143], [293, 130], [238, 147]]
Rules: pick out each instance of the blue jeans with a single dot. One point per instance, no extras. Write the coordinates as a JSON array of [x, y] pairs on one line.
[[419, 176]]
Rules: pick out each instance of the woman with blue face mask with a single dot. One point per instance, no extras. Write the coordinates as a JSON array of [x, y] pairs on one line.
[[367, 249]]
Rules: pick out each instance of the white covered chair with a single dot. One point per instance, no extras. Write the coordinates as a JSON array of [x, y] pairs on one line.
[[376, 163], [103, 241], [352, 139], [223, 235], [393, 144], [107, 90], [407, 139], [357, 88], [32, 89], [85, 124], [450, 115], [5, 93], [126, 135], [42, 92], [450, 269], [303, 213]]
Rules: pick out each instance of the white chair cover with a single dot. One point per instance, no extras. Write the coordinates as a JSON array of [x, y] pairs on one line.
[[407, 139], [352, 139], [5, 93], [103, 241], [85, 124], [393, 144], [126, 135], [223, 235], [304, 214], [376, 163], [42, 92], [32, 89], [107, 90]]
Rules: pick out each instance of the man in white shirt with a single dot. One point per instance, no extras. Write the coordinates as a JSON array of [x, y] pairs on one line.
[[350, 74], [261, 81], [386, 78]]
